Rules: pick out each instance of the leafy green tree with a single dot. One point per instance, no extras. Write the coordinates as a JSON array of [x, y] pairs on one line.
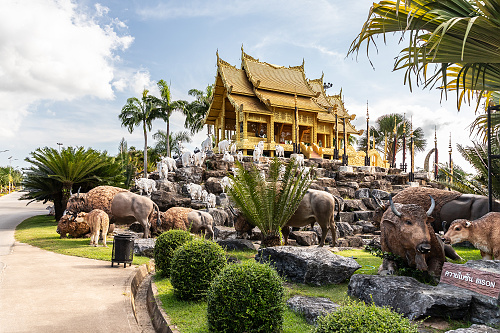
[[166, 106], [196, 111], [477, 156], [173, 141], [141, 112], [460, 37], [384, 128], [54, 175], [269, 203]]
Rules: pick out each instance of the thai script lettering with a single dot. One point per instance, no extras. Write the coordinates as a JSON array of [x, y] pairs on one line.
[[467, 278]]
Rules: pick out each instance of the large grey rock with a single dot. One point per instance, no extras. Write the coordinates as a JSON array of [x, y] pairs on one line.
[[223, 200], [213, 185], [166, 200], [347, 217], [344, 229], [189, 174], [365, 215], [144, 247], [475, 329], [354, 205], [317, 266], [311, 307], [409, 297], [382, 195], [362, 193], [220, 216], [221, 232], [305, 238], [236, 244]]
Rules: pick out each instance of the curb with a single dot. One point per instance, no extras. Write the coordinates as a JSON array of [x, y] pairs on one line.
[[159, 319]]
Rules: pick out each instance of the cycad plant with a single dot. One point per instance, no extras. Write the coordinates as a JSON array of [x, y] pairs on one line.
[[269, 203]]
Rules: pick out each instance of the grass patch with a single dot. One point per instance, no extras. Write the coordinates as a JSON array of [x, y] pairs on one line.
[[40, 231]]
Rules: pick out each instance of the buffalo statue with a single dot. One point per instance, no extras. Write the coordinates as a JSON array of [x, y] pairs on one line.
[[406, 232], [450, 205]]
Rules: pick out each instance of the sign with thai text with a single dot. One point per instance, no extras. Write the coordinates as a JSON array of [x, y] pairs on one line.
[[483, 282]]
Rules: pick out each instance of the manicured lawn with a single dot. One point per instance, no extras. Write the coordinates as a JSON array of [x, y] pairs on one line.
[[40, 231], [190, 317]]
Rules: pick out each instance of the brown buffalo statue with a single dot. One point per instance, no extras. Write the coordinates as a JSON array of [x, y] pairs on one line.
[[406, 232]]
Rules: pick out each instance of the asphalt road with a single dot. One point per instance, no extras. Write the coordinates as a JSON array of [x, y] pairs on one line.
[[41, 291]]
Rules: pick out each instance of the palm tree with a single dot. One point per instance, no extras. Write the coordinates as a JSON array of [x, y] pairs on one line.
[[53, 174], [141, 112], [172, 141], [269, 203], [459, 36], [196, 111], [384, 128], [166, 106]]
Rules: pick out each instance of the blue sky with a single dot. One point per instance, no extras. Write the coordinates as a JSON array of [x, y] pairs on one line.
[[68, 67]]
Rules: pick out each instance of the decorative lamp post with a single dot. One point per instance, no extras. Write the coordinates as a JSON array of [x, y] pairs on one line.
[[451, 162], [336, 150], [394, 146], [411, 176], [344, 155], [403, 165], [367, 158], [436, 176]]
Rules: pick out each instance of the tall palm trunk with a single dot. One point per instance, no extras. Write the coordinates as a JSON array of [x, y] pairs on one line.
[[145, 150], [168, 137]]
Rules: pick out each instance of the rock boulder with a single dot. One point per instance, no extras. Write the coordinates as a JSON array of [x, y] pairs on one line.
[[311, 307]]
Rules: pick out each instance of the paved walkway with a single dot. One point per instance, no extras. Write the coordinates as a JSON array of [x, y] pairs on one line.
[[42, 291]]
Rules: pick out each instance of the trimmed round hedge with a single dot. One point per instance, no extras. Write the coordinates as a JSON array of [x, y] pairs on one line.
[[165, 246], [194, 266], [357, 317], [246, 297]]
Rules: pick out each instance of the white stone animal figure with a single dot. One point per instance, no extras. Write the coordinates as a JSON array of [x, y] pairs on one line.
[[195, 191], [160, 167], [187, 158], [207, 144], [299, 159], [199, 158], [228, 157], [146, 185], [223, 146], [170, 163], [97, 220], [257, 154], [211, 200], [280, 151], [204, 195], [239, 156], [261, 147], [224, 183], [51, 210], [281, 172], [232, 148]]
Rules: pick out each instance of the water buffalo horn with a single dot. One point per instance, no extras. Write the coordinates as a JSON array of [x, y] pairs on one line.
[[431, 208], [78, 194], [232, 210], [394, 210], [467, 224], [70, 191]]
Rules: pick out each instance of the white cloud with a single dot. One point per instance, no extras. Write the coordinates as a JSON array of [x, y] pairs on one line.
[[53, 50]]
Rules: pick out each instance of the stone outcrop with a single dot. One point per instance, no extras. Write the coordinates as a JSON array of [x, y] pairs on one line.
[[316, 266], [236, 244], [475, 329], [144, 247], [311, 307], [415, 300]]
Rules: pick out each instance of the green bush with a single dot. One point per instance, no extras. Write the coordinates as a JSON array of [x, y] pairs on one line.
[[357, 317], [194, 266], [165, 246], [246, 297]]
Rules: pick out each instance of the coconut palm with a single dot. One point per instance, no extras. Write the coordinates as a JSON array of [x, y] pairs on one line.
[[384, 128], [269, 203], [53, 174], [196, 111], [166, 106], [173, 140], [461, 37], [141, 112]]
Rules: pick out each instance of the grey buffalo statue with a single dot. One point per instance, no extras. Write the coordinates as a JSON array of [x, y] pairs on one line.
[[450, 205], [117, 203], [316, 206], [200, 221], [407, 233]]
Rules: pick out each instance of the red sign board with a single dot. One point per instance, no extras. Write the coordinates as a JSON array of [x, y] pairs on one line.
[[483, 282]]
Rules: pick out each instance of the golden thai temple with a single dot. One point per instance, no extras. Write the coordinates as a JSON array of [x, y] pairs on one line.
[[280, 106]]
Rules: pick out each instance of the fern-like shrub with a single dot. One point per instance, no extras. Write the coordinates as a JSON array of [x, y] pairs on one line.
[[165, 246], [246, 297], [194, 266]]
